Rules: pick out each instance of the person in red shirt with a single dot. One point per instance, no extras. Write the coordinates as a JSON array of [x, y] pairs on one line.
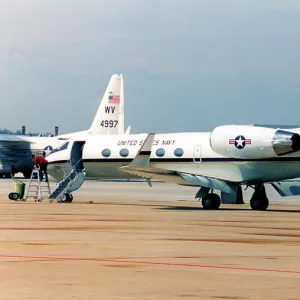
[[41, 164]]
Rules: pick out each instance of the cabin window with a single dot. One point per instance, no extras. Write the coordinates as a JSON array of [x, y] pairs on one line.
[[160, 152], [106, 152], [178, 152], [63, 146], [124, 152]]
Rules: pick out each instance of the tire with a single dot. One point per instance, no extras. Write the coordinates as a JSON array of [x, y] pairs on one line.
[[66, 198], [70, 198], [211, 201], [10, 196], [63, 199], [206, 202], [259, 203], [216, 201], [265, 204], [15, 196]]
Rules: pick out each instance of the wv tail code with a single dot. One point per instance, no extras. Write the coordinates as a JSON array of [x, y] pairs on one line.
[[110, 109]]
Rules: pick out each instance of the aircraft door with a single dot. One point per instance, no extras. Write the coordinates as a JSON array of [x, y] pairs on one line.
[[197, 154], [76, 155]]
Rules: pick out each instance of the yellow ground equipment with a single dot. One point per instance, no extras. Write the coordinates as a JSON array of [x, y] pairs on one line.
[[19, 192]]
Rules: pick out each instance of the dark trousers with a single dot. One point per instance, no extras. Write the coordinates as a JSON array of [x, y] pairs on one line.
[[43, 170]]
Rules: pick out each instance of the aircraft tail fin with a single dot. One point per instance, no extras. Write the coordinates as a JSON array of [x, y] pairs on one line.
[[128, 130], [109, 118]]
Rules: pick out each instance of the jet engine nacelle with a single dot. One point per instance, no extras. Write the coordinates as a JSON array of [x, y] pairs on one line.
[[250, 142]]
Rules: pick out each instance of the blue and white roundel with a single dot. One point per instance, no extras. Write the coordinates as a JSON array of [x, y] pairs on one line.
[[47, 150], [240, 142]]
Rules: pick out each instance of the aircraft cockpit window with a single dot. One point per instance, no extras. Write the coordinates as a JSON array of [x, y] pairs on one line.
[[178, 152], [124, 152], [63, 147], [160, 152], [106, 152]]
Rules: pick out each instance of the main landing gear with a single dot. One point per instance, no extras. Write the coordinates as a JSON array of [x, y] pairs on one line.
[[211, 201], [259, 200]]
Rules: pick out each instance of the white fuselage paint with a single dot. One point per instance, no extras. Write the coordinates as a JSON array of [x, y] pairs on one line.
[[198, 158], [37, 144]]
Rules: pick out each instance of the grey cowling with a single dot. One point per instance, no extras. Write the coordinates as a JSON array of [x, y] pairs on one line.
[[285, 142]]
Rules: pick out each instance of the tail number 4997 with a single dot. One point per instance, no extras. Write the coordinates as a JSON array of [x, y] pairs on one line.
[[109, 123]]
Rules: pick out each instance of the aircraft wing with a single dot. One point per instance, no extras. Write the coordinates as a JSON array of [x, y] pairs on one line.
[[208, 182], [10, 138], [8, 141], [181, 178], [140, 167], [275, 126], [287, 187]]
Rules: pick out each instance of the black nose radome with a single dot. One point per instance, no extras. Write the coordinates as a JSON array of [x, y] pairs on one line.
[[296, 142]]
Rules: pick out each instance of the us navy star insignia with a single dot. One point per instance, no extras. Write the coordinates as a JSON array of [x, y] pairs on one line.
[[240, 142]]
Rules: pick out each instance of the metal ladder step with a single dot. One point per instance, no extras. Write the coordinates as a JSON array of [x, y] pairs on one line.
[[36, 187]]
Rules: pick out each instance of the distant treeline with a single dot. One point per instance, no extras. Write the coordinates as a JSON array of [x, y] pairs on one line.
[[18, 132]]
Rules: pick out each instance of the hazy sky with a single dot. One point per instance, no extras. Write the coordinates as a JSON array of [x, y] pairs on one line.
[[188, 65]]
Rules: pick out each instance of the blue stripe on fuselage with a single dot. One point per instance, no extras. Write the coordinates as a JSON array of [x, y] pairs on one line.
[[181, 160]]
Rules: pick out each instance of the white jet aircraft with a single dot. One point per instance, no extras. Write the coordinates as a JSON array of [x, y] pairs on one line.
[[223, 160], [16, 151]]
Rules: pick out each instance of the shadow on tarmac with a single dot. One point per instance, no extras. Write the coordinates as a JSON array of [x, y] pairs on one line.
[[188, 208]]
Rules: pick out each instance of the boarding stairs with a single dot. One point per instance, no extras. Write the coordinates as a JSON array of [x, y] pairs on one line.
[[70, 183], [37, 189]]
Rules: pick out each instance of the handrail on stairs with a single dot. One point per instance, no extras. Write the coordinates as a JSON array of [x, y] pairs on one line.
[[64, 180], [68, 171]]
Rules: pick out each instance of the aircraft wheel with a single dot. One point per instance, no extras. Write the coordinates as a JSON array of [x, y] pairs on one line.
[[259, 203], [66, 198], [259, 199], [211, 201], [70, 197]]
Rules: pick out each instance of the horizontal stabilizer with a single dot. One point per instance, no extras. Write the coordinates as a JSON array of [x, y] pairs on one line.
[[287, 188]]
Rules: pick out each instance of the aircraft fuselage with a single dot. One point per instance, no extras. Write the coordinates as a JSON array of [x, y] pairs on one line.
[[103, 156]]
